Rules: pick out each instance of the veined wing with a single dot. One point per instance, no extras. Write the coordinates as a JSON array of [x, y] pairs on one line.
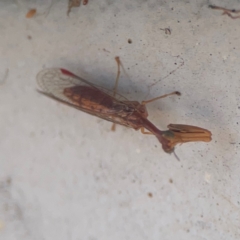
[[54, 81]]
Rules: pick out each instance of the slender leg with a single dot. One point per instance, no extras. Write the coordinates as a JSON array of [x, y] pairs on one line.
[[163, 96], [113, 128], [144, 132], [118, 74]]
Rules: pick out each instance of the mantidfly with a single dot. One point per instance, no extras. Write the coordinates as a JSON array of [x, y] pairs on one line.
[[68, 88]]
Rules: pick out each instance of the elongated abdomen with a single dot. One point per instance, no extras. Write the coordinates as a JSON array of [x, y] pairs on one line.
[[89, 98]]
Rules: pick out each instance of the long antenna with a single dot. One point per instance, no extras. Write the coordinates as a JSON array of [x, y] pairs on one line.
[[176, 156]]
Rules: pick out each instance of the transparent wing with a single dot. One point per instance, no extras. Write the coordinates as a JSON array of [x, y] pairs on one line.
[[53, 81]]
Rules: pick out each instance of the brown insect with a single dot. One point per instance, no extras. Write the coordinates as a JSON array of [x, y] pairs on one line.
[[68, 88]]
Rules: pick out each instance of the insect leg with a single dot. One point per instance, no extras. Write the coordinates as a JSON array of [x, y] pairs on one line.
[[113, 128], [163, 96], [144, 132], [118, 74]]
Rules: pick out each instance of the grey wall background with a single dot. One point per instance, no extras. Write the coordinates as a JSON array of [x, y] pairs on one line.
[[65, 175]]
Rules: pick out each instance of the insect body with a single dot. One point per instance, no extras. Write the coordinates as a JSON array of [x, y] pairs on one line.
[[95, 100]]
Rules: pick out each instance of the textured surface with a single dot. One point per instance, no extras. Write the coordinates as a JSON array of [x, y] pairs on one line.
[[65, 175]]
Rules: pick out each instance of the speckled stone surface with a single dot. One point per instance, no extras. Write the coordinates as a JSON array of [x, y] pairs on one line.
[[65, 175]]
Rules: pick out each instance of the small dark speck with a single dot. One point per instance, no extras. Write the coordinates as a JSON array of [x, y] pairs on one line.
[[29, 37], [150, 195], [238, 107], [170, 180], [129, 41], [9, 181]]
